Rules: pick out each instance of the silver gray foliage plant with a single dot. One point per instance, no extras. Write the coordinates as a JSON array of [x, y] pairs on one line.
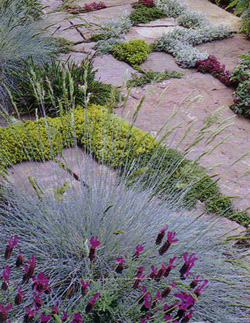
[[103, 47], [171, 8], [117, 27], [113, 32], [180, 42], [191, 19]]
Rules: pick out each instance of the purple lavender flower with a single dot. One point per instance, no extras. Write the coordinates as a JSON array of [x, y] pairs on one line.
[[161, 235], [140, 270], [19, 296], [54, 309], [4, 312], [187, 317], [6, 280], [120, 266], [167, 290], [91, 303], [45, 318], [41, 283], [11, 244], [64, 317], [187, 301], [29, 271], [169, 266], [19, 260], [37, 300], [200, 289], [161, 272], [138, 279], [164, 248], [195, 282], [30, 314], [85, 287], [139, 248], [94, 244], [154, 272], [188, 265], [77, 318], [147, 302]]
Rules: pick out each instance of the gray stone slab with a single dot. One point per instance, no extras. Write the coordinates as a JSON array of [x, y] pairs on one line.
[[158, 61], [112, 71], [214, 13], [149, 32], [75, 57], [49, 175], [84, 48], [160, 23], [101, 16]]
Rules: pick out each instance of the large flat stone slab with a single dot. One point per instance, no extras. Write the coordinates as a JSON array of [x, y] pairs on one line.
[[112, 71], [50, 176], [214, 13], [158, 61], [149, 32]]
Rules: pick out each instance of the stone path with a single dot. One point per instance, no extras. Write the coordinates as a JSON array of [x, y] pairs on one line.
[[214, 94]]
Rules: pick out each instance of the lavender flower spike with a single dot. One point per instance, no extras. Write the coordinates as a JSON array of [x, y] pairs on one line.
[[171, 239], [161, 235], [94, 244], [188, 265], [11, 244]]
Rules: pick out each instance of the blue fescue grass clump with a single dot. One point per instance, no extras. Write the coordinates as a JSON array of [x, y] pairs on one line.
[[59, 233], [22, 37]]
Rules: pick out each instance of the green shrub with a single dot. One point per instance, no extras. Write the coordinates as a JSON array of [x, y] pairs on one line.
[[144, 14], [134, 52], [60, 83], [241, 78], [242, 7], [241, 99]]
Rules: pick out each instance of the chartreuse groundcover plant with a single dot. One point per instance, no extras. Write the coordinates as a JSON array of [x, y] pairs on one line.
[[106, 251]]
